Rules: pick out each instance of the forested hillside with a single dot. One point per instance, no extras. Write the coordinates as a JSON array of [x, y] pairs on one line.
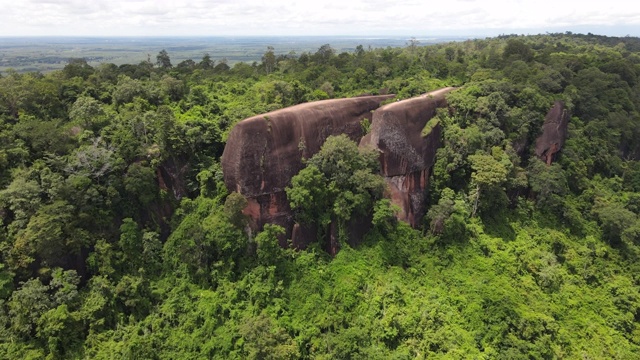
[[119, 239]]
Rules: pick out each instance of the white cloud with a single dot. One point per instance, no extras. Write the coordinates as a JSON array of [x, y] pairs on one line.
[[288, 17]]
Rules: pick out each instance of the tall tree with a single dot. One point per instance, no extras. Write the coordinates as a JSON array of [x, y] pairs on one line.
[[269, 60], [206, 63], [162, 60], [340, 181]]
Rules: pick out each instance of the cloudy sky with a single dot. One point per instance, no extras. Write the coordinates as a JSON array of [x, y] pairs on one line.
[[319, 17]]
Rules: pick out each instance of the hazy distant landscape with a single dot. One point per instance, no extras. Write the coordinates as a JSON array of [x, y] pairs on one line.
[[52, 53]]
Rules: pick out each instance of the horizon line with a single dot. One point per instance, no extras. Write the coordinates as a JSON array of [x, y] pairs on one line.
[[370, 36]]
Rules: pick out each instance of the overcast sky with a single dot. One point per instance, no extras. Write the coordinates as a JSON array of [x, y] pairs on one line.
[[318, 17]]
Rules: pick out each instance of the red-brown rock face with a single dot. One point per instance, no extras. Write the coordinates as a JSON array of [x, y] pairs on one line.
[[407, 154], [264, 152], [554, 133]]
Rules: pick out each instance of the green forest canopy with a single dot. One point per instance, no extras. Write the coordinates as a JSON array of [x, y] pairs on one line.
[[119, 240]]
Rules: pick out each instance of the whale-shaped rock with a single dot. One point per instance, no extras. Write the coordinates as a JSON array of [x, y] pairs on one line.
[[264, 152]]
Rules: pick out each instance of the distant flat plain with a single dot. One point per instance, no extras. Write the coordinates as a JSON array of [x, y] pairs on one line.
[[45, 54]]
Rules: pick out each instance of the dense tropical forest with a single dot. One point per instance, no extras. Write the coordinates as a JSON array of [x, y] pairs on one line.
[[118, 238]]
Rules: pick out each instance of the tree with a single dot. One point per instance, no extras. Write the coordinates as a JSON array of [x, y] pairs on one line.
[[43, 135], [309, 197], [23, 197], [269, 250], [26, 306], [15, 94], [324, 54], [615, 219], [162, 60], [438, 214], [77, 67], [222, 66], [265, 340], [269, 60], [549, 183], [151, 253], [94, 160], [140, 183], [384, 216], [173, 88], [412, 45], [338, 182], [127, 89], [186, 66], [517, 49], [59, 329], [233, 207], [88, 113], [131, 245], [50, 236], [6, 282], [488, 174], [206, 63]]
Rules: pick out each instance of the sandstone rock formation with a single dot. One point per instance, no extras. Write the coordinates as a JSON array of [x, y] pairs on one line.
[[554, 133], [264, 152], [407, 149]]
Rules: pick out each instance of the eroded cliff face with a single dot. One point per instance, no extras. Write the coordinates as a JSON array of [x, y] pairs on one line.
[[264, 152], [554, 133], [407, 149]]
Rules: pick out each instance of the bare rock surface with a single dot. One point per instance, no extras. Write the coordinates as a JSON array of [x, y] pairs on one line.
[[554, 133], [264, 152], [407, 149]]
